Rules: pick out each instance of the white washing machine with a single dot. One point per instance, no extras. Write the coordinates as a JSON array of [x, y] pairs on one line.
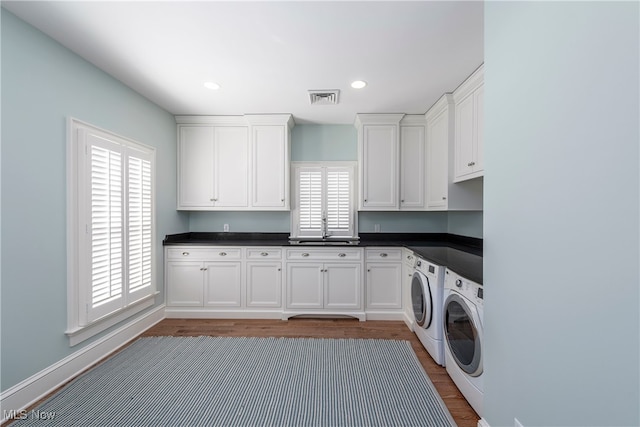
[[463, 331], [427, 286]]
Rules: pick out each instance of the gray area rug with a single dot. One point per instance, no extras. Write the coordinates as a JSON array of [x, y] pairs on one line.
[[215, 381]]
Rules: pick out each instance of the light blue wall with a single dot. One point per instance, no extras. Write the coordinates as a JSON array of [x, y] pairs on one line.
[[465, 223], [324, 143], [338, 143], [561, 218], [42, 85]]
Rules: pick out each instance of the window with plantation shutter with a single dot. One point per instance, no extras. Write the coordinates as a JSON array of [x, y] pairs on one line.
[[323, 202], [111, 207]]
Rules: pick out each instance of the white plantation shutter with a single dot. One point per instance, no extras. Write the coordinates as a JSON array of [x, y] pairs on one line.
[[310, 201], [115, 224], [140, 224], [323, 193], [106, 227], [338, 200]]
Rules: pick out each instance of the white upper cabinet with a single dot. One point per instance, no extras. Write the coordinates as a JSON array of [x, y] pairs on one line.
[[234, 163], [230, 167], [378, 152], [443, 191], [270, 147], [412, 163], [469, 127], [195, 166], [391, 154], [439, 131]]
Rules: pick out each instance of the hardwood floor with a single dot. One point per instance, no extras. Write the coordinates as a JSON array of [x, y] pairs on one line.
[[462, 413]]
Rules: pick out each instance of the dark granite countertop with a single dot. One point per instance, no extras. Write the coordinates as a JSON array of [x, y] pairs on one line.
[[459, 253]]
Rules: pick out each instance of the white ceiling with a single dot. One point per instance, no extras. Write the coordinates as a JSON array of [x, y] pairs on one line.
[[267, 55]]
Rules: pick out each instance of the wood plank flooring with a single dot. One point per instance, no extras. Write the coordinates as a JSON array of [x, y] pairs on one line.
[[462, 413]]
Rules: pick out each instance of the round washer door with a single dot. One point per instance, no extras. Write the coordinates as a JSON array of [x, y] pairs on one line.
[[462, 335], [421, 300]]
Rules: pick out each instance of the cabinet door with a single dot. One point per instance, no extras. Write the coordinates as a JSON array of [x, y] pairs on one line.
[[195, 166], [270, 166], [412, 170], [479, 146], [304, 285], [264, 284], [342, 286], [231, 166], [407, 275], [222, 284], [464, 138], [184, 284], [437, 161], [379, 169], [384, 286]]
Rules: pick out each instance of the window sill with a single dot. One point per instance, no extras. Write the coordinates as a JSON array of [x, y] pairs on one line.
[[81, 333]]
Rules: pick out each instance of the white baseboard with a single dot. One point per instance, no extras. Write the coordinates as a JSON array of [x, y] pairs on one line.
[[186, 313], [384, 315], [483, 423], [34, 388]]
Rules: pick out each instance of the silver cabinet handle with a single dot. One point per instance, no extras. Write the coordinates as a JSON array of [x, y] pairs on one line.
[[384, 255], [342, 255], [185, 253], [305, 254], [223, 254], [471, 163], [264, 253]]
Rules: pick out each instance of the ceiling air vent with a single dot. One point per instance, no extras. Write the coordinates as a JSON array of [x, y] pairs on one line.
[[324, 97]]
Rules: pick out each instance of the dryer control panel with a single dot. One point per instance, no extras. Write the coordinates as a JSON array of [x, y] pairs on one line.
[[470, 290]]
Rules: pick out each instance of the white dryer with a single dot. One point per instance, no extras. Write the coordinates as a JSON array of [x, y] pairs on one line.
[[427, 286], [463, 331]]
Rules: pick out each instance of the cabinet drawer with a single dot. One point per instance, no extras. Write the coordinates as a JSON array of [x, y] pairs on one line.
[[324, 255], [383, 254], [204, 254], [264, 253]]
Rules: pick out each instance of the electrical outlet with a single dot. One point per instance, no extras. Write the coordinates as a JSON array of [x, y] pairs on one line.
[[376, 228], [517, 423], [226, 227]]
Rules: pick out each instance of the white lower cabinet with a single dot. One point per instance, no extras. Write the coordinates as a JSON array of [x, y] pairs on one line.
[[223, 281], [324, 286], [324, 281], [264, 284], [280, 282], [383, 282], [185, 280]]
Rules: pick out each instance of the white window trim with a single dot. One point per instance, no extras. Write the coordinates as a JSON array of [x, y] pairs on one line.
[[76, 331], [294, 191]]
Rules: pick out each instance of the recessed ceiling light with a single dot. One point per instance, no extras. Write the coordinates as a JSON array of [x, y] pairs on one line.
[[212, 85], [358, 84]]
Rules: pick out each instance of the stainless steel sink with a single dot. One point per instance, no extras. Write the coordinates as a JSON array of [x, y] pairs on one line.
[[324, 242]]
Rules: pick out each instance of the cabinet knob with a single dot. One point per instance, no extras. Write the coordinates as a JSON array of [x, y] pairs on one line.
[[369, 270], [342, 255], [365, 200], [444, 198], [384, 255], [185, 253], [282, 200], [471, 163], [264, 253], [223, 254], [402, 201], [305, 254]]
